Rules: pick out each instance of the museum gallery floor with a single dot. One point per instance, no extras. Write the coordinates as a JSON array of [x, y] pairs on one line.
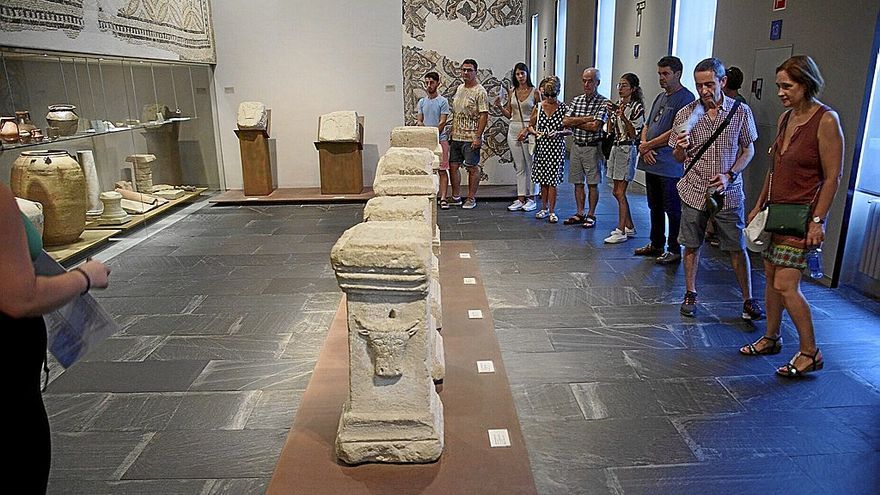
[[224, 313]]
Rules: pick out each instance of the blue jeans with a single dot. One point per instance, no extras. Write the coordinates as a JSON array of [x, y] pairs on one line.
[[663, 201]]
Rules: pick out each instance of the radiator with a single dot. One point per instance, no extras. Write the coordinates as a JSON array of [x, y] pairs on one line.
[[870, 262]]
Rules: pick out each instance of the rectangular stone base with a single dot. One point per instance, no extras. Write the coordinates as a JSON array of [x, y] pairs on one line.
[[391, 438]]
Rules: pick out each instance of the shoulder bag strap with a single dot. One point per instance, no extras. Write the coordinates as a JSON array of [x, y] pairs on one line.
[[713, 137]]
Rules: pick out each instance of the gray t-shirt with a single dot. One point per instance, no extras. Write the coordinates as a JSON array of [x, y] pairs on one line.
[[659, 121]]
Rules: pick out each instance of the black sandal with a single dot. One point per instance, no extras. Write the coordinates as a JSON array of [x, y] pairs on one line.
[[574, 219], [752, 350], [790, 371], [589, 222]]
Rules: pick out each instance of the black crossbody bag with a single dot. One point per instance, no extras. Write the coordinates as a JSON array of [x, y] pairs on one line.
[[714, 201]]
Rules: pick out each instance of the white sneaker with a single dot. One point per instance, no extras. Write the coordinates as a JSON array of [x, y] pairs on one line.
[[541, 214], [616, 237], [630, 232], [530, 205], [469, 204], [515, 206], [615, 231]]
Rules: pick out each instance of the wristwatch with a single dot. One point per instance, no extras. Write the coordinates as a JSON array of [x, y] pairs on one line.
[[818, 219], [733, 175]]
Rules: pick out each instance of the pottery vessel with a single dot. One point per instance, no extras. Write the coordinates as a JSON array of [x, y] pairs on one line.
[[8, 130], [55, 180], [24, 121], [63, 117]]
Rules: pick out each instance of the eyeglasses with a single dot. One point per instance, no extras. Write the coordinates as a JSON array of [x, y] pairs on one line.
[[467, 70], [622, 85]]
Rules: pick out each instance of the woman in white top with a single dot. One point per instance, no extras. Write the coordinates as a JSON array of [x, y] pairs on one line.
[[518, 108], [625, 122]]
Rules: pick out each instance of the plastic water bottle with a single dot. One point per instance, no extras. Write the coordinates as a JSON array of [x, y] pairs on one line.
[[814, 262]]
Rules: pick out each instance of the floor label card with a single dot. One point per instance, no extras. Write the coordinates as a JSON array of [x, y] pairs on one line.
[[485, 367], [499, 438], [470, 281], [475, 314], [464, 256]]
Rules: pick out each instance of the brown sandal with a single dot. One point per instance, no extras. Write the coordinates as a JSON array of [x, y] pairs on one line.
[[574, 219]]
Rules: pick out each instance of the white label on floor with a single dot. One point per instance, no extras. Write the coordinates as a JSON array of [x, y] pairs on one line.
[[464, 256], [485, 367], [499, 438], [475, 314], [470, 281], [338, 197]]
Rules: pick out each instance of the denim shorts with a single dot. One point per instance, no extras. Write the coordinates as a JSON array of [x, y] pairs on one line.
[[462, 152]]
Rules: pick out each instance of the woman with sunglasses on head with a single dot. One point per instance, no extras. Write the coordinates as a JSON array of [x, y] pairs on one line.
[[546, 125]]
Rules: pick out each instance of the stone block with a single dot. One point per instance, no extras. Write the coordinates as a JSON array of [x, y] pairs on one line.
[[413, 136], [339, 126], [252, 115]]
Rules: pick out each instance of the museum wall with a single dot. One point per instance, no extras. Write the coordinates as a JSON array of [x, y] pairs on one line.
[[305, 59], [158, 29], [439, 34], [839, 40]]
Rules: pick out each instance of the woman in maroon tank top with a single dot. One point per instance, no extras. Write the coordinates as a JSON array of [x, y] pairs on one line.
[[807, 162]]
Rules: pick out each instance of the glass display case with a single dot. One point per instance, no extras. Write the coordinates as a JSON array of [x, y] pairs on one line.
[[118, 109]]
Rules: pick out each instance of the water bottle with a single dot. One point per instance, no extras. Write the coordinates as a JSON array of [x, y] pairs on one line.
[[814, 262]]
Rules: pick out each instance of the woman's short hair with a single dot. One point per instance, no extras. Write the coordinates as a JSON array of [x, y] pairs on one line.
[[552, 83], [803, 70]]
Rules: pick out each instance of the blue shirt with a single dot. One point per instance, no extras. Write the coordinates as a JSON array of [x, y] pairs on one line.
[[431, 109], [659, 121]]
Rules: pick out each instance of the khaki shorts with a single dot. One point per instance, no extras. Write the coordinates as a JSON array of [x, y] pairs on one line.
[[728, 223], [585, 164]]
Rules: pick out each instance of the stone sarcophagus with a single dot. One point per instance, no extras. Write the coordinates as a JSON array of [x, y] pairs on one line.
[[415, 209], [408, 172], [393, 413]]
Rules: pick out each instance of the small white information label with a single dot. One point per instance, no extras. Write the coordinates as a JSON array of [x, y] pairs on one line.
[[470, 281], [464, 256], [485, 367], [475, 314], [338, 197], [499, 438]]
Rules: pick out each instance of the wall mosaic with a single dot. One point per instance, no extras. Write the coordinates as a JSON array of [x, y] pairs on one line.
[[42, 15], [481, 15], [181, 26], [417, 62]]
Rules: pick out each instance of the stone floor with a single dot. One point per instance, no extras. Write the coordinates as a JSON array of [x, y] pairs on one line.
[[224, 310]]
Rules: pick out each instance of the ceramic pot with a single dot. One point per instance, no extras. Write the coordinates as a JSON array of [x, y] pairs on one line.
[[55, 180], [63, 117], [8, 130], [37, 135], [24, 122]]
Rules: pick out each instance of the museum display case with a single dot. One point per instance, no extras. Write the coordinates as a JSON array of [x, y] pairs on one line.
[[133, 125]]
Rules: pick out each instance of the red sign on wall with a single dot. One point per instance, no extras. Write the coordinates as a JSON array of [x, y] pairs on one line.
[[778, 5]]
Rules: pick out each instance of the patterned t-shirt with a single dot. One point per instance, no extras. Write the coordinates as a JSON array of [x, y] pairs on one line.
[[634, 111], [581, 106], [467, 105], [719, 157]]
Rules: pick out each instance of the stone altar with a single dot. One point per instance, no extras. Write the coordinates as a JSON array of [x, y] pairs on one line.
[[393, 413]]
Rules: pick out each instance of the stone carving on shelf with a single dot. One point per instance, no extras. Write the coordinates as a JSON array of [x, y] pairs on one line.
[[63, 117], [143, 171], [34, 212], [113, 213], [393, 413], [252, 115], [416, 209], [55, 180], [414, 136], [339, 127], [86, 159]]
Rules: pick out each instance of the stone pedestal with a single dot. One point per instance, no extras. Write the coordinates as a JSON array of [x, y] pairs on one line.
[[393, 413], [143, 171], [416, 209], [86, 159], [113, 213], [412, 136], [410, 162]]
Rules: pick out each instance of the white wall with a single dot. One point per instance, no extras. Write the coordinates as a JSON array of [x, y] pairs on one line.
[[304, 59]]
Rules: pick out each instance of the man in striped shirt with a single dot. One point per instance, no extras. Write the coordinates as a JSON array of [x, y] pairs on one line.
[[718, 169]]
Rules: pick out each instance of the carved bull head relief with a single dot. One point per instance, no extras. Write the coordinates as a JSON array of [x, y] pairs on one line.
[[388, 343]]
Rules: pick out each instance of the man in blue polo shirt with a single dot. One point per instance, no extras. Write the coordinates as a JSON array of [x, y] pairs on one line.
[[662, 170]]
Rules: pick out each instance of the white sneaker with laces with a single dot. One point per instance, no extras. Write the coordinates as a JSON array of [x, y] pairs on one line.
[[515, 206], [541, 214], [616, 237], [630, 232], [469, 204], [530, 205]]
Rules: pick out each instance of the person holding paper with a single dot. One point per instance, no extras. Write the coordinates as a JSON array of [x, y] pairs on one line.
[[25, 298]]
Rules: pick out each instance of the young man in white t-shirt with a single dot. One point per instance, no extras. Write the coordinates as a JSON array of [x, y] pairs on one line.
[[433, 110]]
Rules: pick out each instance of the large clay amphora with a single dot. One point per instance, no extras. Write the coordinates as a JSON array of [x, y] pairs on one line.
[[54, 179]]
